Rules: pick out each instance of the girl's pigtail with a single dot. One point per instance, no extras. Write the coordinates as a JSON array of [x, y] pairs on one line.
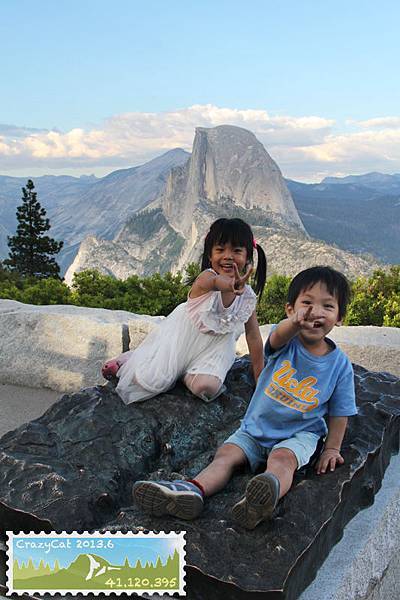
[[261, 272], [205, 257]]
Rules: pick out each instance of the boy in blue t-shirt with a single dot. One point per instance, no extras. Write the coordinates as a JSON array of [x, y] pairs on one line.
[[305, 378]]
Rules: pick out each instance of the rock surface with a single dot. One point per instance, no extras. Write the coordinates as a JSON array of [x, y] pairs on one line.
[[63, 347], [229, 174], [374, 348], [227, 162], [50, 479], [365, 563]]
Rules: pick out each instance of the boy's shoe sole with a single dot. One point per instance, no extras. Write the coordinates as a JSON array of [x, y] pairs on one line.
[[158, 500], [262, 495]]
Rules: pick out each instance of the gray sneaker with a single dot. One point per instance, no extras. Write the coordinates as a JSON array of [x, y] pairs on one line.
[[262, 495], [179, 498]]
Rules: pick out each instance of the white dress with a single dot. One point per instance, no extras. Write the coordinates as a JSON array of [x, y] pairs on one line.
[[199, 336]]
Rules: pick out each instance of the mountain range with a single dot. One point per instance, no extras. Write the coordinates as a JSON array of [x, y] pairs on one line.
[[154, 216], [78, 207], [357, 213]]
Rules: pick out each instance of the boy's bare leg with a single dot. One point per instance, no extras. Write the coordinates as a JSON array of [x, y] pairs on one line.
[[263, 491], [217, 474], [185, 499], [282, 462]]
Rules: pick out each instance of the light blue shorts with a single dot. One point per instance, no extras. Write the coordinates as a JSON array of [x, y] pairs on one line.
[[302, 444]]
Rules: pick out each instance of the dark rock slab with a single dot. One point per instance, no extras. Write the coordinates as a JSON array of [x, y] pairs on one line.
[[73, 469]]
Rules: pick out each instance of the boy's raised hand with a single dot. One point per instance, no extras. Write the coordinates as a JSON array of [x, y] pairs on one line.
[[240, 281], [303, 318], [328, 460]]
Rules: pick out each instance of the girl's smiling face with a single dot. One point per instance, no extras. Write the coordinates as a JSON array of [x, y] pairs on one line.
[[223, 256]]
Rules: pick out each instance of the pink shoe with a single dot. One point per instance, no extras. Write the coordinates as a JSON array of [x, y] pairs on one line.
[[110, 369]]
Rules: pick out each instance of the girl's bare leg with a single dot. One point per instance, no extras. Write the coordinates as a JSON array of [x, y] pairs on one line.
[[124, 357], [206, 387], [112, 366]]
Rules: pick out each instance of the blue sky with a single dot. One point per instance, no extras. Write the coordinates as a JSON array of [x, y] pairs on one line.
[[143, 548], [91, 86]]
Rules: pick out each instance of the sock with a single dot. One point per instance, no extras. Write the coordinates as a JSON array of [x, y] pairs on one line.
[[198, 485]]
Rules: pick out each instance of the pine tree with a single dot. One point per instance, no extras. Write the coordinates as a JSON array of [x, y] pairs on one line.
[[56, 566], [31, 250]]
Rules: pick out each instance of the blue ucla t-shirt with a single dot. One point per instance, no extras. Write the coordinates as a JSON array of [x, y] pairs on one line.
[[296, 389]]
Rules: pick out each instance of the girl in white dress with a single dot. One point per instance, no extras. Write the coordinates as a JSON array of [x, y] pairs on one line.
[[196, 342]]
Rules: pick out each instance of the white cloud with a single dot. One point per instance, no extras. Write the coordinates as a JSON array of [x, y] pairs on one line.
[[304, 147], [380, 122]]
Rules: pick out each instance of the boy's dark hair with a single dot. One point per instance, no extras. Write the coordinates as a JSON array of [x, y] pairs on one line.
[[237, 233], [336, 284]]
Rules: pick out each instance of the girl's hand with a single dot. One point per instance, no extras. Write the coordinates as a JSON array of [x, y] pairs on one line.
[[240, 281], [328, 460], [233, 283]]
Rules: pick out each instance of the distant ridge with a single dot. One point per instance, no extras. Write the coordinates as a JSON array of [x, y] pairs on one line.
[[78, 207], [376, 181], [350, 212], [353, 216]]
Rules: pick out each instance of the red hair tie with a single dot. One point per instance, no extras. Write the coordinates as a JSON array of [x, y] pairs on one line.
[[254, 243]]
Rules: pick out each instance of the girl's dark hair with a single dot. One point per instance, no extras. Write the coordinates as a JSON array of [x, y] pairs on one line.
[[237, 233], [336, 284]]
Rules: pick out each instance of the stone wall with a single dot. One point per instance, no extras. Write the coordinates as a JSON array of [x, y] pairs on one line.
[[365, 564], [63, 347], [375, 348]]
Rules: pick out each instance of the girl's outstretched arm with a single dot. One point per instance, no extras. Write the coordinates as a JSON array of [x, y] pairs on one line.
[[255, 344], [208, 281]]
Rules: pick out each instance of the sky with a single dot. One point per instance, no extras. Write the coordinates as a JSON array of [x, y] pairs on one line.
[[90, 86], [144, 548]]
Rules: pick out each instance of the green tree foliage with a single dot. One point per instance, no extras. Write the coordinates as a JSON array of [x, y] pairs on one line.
[[94, 289], [46, 291], [376, 300], [192, 271], [33, 290], [30, 249], [10, 283], [154, 295], [271, 308], [163, 293], [391, 317]]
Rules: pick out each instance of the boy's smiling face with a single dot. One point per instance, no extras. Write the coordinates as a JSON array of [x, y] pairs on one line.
[[324, 315]]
